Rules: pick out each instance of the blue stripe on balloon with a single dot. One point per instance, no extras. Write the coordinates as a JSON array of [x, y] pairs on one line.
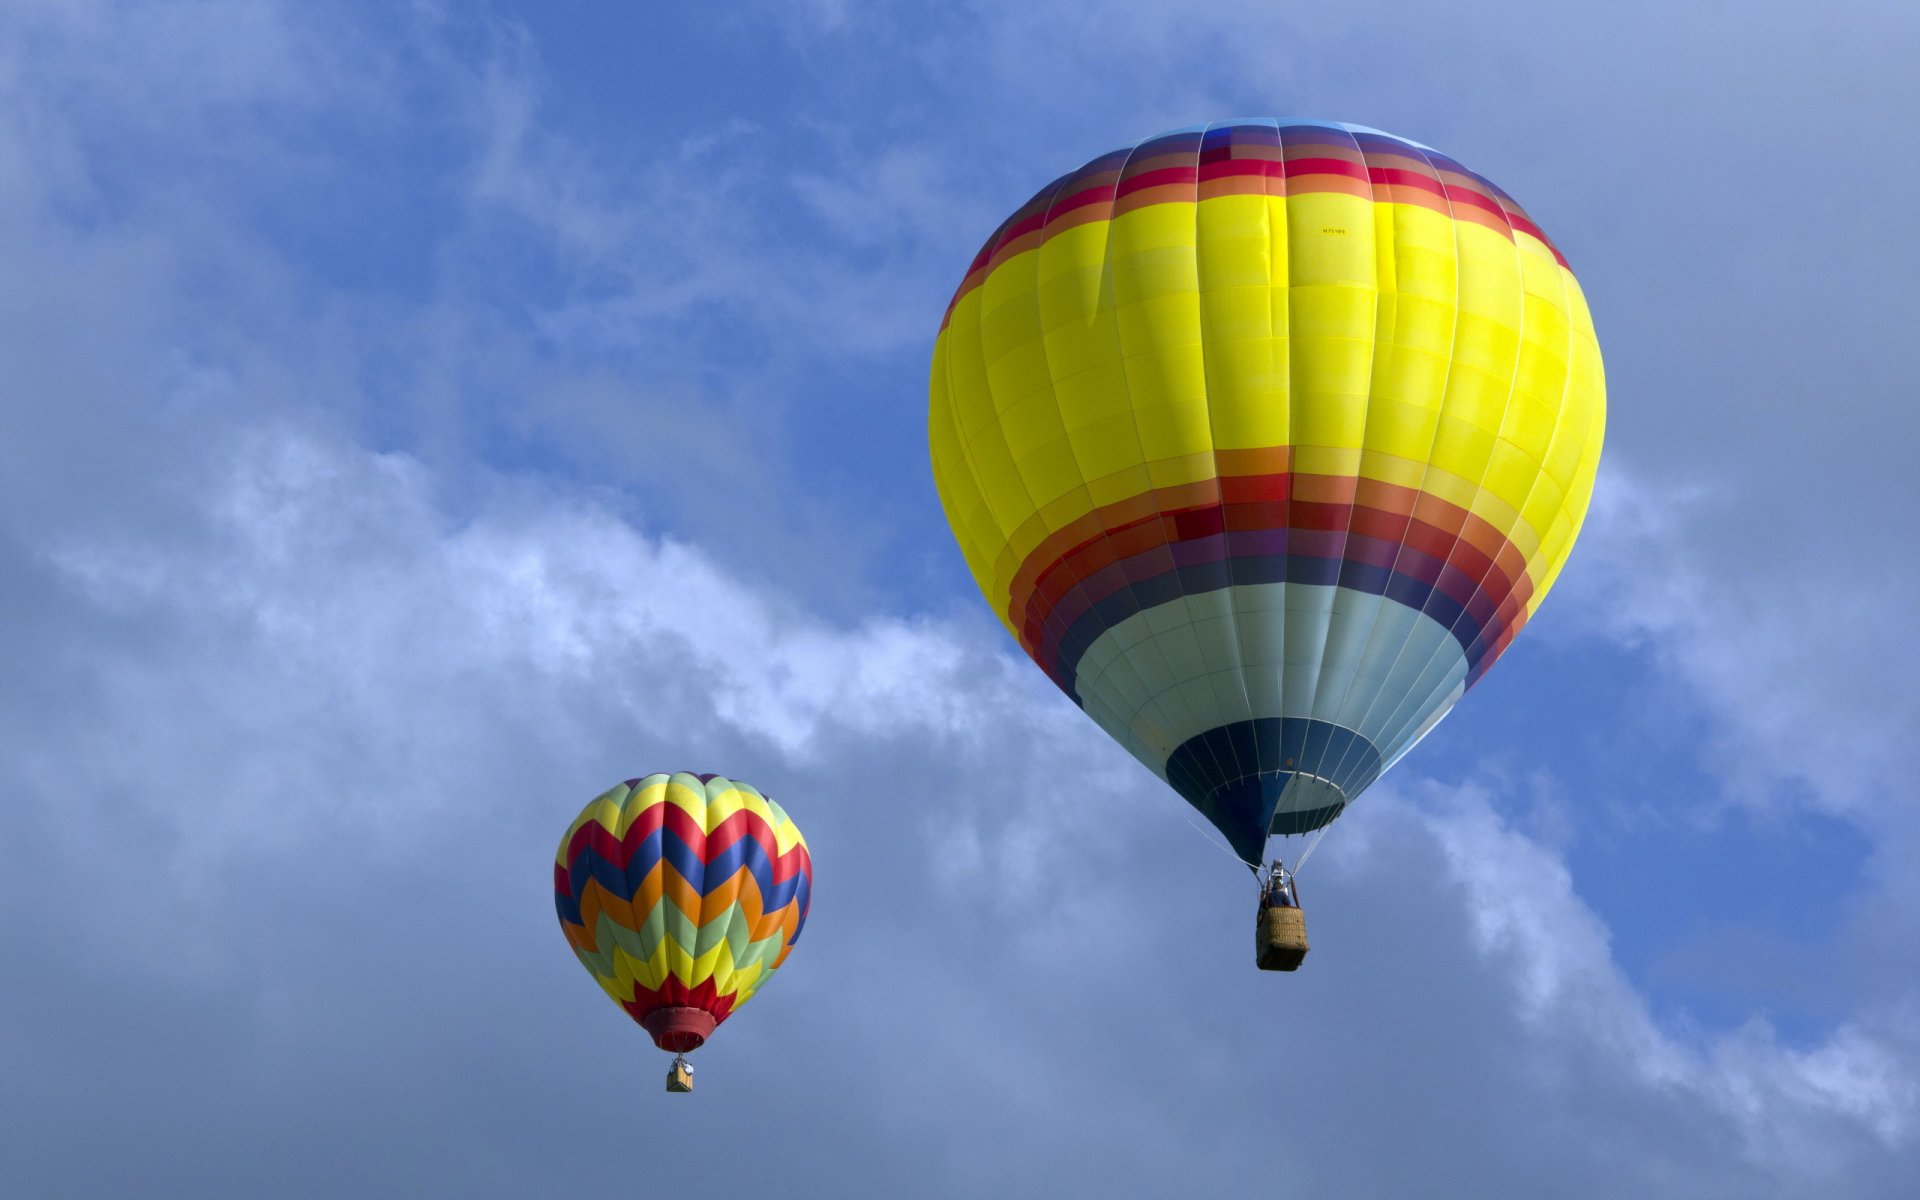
[[1234, 774], [703, 877]]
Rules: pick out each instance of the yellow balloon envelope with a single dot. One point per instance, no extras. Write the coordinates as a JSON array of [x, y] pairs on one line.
[[1265, 439]]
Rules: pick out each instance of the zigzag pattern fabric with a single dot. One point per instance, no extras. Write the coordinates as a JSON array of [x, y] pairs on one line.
[[682, 891], [1264, 439]]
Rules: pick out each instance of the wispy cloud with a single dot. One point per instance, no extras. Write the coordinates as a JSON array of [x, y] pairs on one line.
[[1528, 918]]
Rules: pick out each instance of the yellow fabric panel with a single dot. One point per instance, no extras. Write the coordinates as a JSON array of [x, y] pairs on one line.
[[1330, 240], [961, 397], [967, 389], [1400, 430], [959, 495], [1244, 318], [1332, 274], [1156, 290], [1098, 413], [1075, 293], [747, 980], [628, 970], [1573, 458], [1413, 333], [1486, 347]]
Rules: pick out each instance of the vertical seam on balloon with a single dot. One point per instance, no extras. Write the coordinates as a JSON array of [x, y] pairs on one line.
[[736, 911], [976, 346], [1373, 353], [1539, 555], [986, 379], [763, 898], [803, 879], [731, 886], [1213, 453], [1296, 404], [1007, 536], [1563, 274], [1174, 684], [1358, 727], [633, 889], [1583, 480], [940, 408], [965, 451], [1287, 699], [1078, 586], [663, 903], [1390, 248], [698, 884], [1384, 746], [1262, 767], [1072, 683], [1596, 434], [633, 912], [699, 860], [965, 462], [711, 889], [745, 989], [1221, 768], [1278, 620], [1414, 717], [1040, 336], [1111, 270]]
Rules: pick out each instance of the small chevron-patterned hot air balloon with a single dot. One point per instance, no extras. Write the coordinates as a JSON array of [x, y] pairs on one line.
[[682, 894]]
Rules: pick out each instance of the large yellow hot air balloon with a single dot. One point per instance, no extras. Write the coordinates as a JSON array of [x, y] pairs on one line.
[[1264, 439]]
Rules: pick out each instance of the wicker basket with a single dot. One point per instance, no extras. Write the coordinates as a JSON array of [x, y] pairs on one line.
[[1280, 942], [680, 1078]]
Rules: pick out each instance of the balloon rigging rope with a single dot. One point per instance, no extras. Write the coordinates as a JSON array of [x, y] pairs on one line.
[[1312, 844], [1220, 846]]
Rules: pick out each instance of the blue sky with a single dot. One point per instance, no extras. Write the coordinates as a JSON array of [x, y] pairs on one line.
[[419, 417]]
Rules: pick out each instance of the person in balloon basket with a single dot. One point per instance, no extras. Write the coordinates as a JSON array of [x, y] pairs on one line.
[[1279, 892]]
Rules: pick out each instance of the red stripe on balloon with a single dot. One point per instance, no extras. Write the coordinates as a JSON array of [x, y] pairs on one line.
[[664, 814]]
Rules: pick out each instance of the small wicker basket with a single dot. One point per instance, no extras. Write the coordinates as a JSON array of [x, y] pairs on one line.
[[1280, 942], [679, 1077]]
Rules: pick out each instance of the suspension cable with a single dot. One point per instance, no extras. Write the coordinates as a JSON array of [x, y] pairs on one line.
[[1312, 844], [1220, 846]]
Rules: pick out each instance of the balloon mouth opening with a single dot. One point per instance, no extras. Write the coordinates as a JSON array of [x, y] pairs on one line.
[[679, 1030]]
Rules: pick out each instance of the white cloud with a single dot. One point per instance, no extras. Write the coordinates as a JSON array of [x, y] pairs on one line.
[[323, 596], [1800, 650], [1553, 950]]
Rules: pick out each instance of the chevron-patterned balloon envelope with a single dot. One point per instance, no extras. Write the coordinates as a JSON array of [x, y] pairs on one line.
[[682, 894], [1264, 439]]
